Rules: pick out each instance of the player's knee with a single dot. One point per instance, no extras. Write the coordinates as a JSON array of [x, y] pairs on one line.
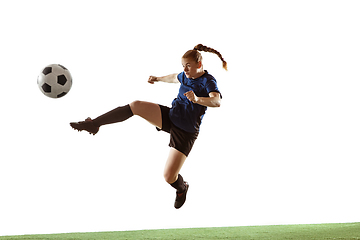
[[169, 177], [135, 106]]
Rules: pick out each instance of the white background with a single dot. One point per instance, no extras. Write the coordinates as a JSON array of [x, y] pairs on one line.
[[283, 148]]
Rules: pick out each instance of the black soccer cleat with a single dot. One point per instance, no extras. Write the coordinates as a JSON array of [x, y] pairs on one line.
[[87, 125], [181, 197]]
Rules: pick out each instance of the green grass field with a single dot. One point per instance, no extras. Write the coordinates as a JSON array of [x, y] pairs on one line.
[[341, 231]]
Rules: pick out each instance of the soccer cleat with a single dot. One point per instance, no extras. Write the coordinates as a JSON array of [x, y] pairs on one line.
[[87, 125], [181, 197]]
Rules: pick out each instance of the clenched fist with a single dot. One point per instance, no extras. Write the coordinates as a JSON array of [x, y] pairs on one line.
[[191, 96], [152, 79]]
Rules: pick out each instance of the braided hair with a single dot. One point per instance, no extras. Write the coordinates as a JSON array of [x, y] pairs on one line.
[[195, 54]]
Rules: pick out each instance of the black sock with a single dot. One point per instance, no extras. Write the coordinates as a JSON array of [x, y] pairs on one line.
[[179, 184], [117, 115]]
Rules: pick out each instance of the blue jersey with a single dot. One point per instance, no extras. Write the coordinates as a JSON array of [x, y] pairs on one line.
[[185, 114]]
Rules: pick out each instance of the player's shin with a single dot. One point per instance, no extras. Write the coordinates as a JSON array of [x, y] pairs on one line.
[[119, 114]]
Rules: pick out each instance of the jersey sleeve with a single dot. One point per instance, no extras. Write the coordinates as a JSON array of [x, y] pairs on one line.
[[211, 86], [180, 77]]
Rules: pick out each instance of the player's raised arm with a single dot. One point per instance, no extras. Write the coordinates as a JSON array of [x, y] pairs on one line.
[[172, 78]]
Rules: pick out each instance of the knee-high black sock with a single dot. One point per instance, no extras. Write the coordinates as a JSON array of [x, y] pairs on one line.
[[117, 115], [179, 184]]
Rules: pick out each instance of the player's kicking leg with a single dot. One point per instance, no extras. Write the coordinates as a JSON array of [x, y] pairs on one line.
[[149, 111]]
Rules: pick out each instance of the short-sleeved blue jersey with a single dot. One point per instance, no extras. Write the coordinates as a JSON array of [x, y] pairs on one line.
[[185, 114]]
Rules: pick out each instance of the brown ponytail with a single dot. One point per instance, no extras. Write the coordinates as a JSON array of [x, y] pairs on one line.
[[201, 47], [196, 55]]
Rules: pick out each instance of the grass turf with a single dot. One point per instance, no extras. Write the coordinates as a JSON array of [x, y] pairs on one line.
[[348, 231]]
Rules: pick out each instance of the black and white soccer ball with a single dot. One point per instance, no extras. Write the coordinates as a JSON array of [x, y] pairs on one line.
[[54, 81]]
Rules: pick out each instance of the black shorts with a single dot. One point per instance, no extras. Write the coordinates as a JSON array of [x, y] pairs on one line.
[[179, 139]]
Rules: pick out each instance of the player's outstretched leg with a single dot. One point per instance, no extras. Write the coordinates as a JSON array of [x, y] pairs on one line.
[[92, 126], [149, 111]]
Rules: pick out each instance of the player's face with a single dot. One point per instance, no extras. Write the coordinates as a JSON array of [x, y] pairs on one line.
[[191, 68]]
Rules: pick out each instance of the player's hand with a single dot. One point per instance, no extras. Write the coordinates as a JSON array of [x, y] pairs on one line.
[[191, 96], [153, 79]]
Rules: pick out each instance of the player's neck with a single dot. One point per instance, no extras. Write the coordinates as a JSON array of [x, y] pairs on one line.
[[199, 74]]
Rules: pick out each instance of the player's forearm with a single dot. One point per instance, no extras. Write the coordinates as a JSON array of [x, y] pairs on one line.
[[172, 78], [209, 101]]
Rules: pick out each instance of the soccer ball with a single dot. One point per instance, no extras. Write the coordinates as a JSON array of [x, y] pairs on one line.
[[54, 81]]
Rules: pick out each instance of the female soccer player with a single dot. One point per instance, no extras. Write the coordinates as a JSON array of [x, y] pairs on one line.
[[198, 90]]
